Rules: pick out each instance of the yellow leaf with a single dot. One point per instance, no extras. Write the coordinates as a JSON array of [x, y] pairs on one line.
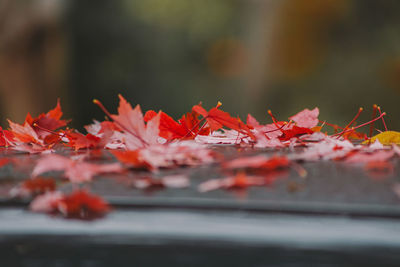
[[386, 138]]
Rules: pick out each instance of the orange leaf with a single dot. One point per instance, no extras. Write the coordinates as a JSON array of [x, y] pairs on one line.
[[132, 158]]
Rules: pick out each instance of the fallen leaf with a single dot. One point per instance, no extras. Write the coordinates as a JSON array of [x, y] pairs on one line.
[[46, 203], [24, 133], [137, 133], [6, 138], [239, 181], [83, 205], [79, 204], [32, 187], [294, 132], [217, 119], [306, 118], [386, 138], [259, 163], [77, 171], [133, 159], [47, 122]]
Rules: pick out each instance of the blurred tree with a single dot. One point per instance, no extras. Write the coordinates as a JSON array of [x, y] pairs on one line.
[[32, 56]]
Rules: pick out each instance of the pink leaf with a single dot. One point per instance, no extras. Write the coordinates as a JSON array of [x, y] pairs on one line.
[[306, 118], [76, 171], [47, 202]]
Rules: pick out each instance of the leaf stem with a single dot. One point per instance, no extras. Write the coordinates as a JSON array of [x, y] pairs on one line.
[[383, 120], [274, 120], [359, 126], [352, 121]]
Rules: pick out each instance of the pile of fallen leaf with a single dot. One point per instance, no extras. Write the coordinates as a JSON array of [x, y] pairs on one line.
[[155, 141]]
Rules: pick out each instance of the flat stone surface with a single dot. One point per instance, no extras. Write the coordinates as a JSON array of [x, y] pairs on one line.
[[337, 216], [189, 238], [329, 187]]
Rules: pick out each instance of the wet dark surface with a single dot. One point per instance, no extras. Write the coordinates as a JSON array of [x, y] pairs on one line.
[[337, 215], [54, 254], [329, 187]]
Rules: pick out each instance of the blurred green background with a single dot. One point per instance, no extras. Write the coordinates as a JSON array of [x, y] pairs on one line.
[[252, 55]]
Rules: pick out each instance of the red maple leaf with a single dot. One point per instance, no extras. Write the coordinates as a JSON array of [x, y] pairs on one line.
[[46, 122], [79, 204], [295, 131], [186, 128], [108, 126], [79, 141], [83, 205], [6, 137], [169, 128], [24, 133], [191, 122], [217, 119], [36, 134], [133, 159], [131, 121]]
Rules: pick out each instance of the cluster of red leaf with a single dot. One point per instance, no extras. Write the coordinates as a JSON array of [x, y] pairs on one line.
[[155, 140], [79, 204]]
